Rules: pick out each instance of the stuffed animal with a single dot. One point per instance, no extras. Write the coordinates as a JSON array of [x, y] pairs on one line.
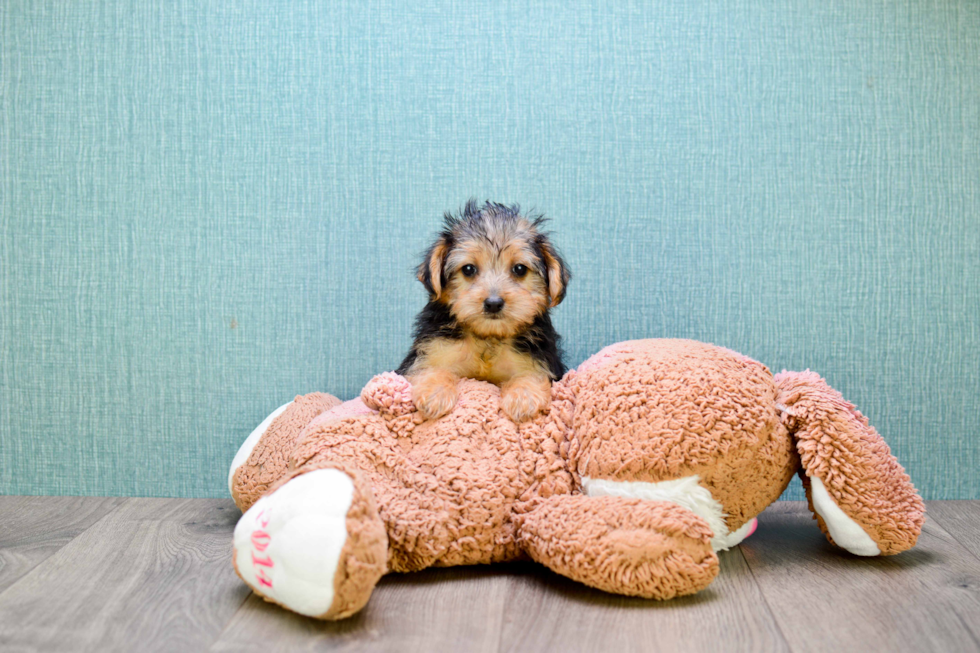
[[653, 455]]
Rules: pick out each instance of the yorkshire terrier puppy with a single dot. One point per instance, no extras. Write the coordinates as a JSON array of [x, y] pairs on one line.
[[492, 275]]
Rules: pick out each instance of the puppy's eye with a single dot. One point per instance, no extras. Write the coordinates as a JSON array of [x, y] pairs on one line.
[[519, 270], [469, 270]]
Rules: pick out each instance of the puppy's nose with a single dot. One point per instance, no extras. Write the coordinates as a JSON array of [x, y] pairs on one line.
[[493, 304]]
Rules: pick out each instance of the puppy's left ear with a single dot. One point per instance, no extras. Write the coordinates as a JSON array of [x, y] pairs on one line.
[[558, 274], [430, 270]]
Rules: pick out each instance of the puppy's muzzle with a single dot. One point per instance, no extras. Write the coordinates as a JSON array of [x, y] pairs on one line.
[[493, 305]]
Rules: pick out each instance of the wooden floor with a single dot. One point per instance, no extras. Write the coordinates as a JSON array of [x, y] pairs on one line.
[[104, 574]]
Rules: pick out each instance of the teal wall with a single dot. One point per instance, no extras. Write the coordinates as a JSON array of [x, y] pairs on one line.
[[206, 208]]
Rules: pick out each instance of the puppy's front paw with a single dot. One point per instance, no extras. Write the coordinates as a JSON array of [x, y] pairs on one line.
[[523, 398], [435, 394]]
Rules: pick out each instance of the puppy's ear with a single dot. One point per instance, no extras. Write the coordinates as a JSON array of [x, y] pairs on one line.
[[558, 275], [431, 270]]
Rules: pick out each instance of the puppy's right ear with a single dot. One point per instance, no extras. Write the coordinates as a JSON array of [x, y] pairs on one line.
[[431, 271]]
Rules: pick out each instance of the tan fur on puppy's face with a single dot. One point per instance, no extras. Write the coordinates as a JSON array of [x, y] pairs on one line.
[[525, 295]]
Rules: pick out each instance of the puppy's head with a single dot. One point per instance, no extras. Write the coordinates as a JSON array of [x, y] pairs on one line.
[[494, 269]]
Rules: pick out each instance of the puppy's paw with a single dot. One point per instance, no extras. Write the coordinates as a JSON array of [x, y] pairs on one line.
[[435, 394], [523, 398]]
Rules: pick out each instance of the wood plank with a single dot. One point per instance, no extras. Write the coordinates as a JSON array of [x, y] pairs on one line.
[[549, 612], [519, 607], [34, 528], [961, 519], [926, 599], [456, 609], [155, 574]]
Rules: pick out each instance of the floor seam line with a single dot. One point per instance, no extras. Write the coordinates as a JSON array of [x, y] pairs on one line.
[[224, 629], [952, 535], [30, 571], [765, 599]]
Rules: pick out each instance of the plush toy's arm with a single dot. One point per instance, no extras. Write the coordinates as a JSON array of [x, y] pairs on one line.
[[863, 500], [390, 394], [652, 549]]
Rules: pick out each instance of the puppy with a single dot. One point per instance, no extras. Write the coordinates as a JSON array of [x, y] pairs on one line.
[[492, 275]]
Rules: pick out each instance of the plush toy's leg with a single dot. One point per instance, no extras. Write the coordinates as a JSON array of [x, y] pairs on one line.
[[863, 500], [262, 458], [653, 549], [314, 544]]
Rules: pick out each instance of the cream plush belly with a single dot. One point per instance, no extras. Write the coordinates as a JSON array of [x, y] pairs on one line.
[[686, 492]]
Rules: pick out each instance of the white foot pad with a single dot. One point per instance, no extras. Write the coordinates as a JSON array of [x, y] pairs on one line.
[[245, 450], [846, 532], [288, 544]]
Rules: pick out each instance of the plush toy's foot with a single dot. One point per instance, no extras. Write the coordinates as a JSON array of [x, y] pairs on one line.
[[314, 545], [263, 457], [245, 450], [862, 499], [652, 549]]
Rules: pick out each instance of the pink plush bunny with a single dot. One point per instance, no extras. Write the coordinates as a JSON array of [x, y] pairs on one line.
[[654, 455]]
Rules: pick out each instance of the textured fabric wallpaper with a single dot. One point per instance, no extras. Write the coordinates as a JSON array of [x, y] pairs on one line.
[[208, 207]]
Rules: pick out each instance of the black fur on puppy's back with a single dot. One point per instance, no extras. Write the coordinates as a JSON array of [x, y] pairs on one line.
[[542, 343], [435, 321]]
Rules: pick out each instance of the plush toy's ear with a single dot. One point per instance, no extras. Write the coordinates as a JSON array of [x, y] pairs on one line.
[[431, 270], [558, 274]]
